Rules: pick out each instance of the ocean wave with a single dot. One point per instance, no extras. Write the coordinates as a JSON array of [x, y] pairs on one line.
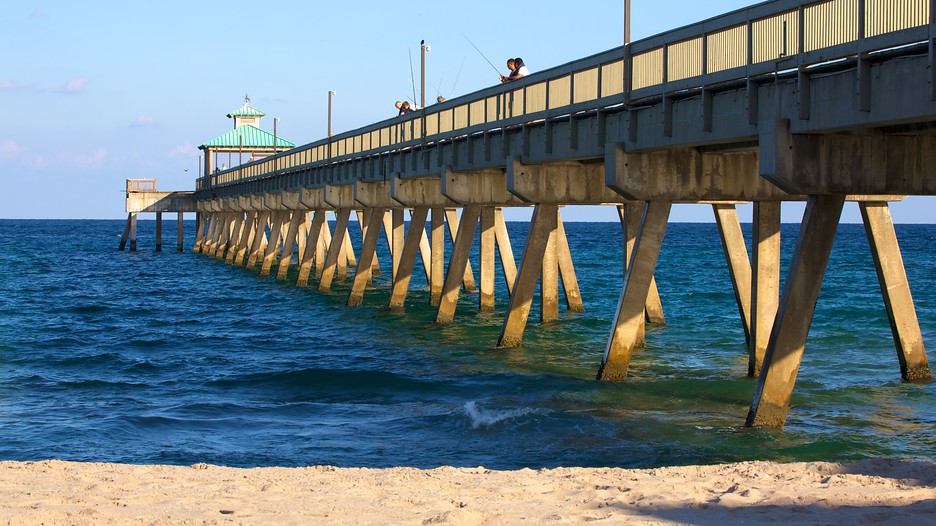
[[488, 417]]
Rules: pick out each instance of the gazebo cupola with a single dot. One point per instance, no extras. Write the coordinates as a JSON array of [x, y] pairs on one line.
[[245, 143], [246, 114]]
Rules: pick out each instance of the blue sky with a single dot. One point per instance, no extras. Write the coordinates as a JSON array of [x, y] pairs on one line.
[[95, 92]]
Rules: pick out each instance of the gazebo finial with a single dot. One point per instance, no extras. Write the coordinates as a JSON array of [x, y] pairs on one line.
[[246, 100]]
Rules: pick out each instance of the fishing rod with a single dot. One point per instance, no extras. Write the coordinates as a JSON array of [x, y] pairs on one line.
[[439, 86], [412, 75], [482, 54], [456, 78]]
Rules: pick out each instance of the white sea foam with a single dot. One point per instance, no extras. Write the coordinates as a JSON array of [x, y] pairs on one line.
[[488, 417]]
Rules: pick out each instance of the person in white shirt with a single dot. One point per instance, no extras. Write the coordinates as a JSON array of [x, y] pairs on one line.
[[517, 69]]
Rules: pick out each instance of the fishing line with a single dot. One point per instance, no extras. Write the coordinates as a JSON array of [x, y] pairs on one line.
[[482, 54]]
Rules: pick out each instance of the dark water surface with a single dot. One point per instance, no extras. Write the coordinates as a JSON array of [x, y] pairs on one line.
[[177, 358]]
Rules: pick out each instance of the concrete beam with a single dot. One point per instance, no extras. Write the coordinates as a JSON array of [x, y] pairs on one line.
[[290, 200], [273, 202], [426, 191], [374, 195], [570, 183], [687, 174], [480, 187], [340, 196], [313, 199], [860, 163]]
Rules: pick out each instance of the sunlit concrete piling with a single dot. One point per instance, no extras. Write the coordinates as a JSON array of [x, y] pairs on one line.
[[703, 115]]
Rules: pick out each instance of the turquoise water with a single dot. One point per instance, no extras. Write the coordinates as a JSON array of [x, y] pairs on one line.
[[177, 358]]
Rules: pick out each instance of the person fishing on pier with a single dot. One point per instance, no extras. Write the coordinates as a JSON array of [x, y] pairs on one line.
[[405, 107], [517, 69]]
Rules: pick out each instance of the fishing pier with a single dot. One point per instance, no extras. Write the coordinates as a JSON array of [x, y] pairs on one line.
[[791, 100]]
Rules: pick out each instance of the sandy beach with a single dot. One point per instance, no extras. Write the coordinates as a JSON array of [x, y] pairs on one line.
[[868, 492]]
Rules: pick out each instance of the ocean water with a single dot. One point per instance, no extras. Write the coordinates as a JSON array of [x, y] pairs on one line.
[[177, 358]]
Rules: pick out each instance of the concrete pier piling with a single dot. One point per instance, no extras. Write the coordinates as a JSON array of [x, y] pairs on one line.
[[794, 315], [414, 238], [765, 280], [459, 268], [336, 250], [365, 263], [896, 291], [631, 310], [543, 225]]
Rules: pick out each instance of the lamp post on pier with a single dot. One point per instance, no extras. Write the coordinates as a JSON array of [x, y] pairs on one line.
[[627, 21], [330, 95]]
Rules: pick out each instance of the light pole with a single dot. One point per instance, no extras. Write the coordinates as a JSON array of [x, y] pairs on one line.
[[275, 121], [330, 95], [423, 49], [627, 21]]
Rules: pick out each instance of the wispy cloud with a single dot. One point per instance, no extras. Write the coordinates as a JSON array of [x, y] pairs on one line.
[[9, 85], [143, 121], [10, 149], [95, 158], [183, 150], [76, 85]]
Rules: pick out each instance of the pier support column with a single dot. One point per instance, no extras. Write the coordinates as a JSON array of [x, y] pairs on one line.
[[224, 236], [312, 248], [739, 264], [508, 263], [451, 218], [797, 305], [335, 249], [296, 222], [415, 236], [365, 263], [458, 263], [126, 234], [630, 215], [631, 309], [180, 233], [396, 234], [211, 224], [276, 229], [302, 236], [321, 250], [347, 257], [549, 278], [158, 231], [199, 231], [531, 264], [486, 265], [437, 255], [248, 231], [217, 224], [895, 289], [364, 217], [570, 287], [424, 250], [765, 280], [237, 238], [133, 231], [256, 246]]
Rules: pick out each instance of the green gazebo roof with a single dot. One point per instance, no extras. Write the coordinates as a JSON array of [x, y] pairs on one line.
[[246, 111], [251, 136]]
